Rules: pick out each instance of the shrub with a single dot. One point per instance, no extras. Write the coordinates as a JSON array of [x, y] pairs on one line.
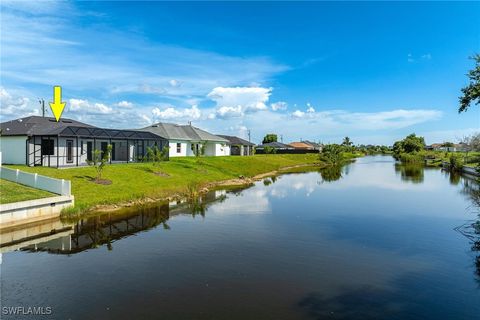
[[155, 155], [332, 154], [456, 162], [410, 157], [269, 150]]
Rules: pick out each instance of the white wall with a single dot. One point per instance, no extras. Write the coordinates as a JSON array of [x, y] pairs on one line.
[[217, 149], [212, 148], [13, 149], [222, 149], [173, 148]]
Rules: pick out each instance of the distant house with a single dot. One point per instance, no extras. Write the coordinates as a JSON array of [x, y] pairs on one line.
[[186, 140], [42, 141], [239, 146], [301, 146], [434, 146], [314, 145], [278, 146], [460, 147]]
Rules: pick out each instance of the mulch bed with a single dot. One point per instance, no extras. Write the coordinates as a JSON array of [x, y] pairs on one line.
[[161, 174], [102, 181]]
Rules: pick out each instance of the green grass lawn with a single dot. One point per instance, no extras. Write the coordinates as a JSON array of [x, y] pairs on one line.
[[136, 180], [13, 192]]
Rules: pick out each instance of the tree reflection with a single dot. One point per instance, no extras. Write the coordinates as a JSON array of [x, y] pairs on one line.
[[471, 230], [410, 172], [331, 173], [267, 182]]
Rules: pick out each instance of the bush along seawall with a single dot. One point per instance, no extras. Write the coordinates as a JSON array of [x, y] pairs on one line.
[[464, 158]]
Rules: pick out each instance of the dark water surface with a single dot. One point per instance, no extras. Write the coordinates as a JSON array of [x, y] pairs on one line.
[[377, 241]]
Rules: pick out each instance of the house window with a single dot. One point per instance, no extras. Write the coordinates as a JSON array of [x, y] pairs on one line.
[[192, 147], [47, 147], [70, 151], [179, 147]]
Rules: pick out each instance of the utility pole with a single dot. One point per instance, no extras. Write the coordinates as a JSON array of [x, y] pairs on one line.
[[248, 132], [42, 103], [281, 138]]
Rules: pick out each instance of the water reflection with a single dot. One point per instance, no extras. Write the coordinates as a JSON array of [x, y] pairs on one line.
[[410, 172], [333, 173], [471, 229], [104, 229]]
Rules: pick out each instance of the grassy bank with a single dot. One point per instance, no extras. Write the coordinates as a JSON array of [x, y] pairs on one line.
[[135, 181], [435, 158], [13, 192]]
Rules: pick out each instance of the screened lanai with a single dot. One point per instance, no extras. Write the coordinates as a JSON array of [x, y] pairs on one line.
[[74, 145]]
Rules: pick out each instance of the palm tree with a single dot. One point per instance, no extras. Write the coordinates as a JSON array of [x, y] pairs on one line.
[[347, 142]]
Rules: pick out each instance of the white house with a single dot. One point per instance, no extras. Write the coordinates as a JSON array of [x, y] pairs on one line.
[[185, 140], [42, 141]]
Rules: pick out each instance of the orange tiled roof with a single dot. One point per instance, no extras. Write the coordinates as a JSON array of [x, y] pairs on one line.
[[300, 145]]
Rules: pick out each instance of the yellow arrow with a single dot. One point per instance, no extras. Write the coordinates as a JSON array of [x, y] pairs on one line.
[[57, 105]]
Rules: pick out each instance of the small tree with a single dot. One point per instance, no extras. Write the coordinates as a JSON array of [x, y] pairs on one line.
[[471, 92], [155, 155], [269, 150], [200, 151], [270, 137], [100, 160]]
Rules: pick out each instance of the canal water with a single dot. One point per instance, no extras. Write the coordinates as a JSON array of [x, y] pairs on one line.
[[374, 240]]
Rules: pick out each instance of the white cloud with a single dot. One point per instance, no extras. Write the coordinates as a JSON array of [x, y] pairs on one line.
[[394, 119], [146, 118], [279, 106], [423, 57], [172, 113], [174, 83], [86, 107], [229, 112], [236, 101], [14, 105], [298, 114], [124, 104]]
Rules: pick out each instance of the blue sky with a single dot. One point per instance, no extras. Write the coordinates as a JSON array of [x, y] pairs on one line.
[[306, 70]]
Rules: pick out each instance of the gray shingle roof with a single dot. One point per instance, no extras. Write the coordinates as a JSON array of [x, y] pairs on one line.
[[35, 125], [173, 131], [276, 145], [233, 140]]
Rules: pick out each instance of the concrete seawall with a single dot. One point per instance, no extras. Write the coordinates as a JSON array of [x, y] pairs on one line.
[[25, 212]]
